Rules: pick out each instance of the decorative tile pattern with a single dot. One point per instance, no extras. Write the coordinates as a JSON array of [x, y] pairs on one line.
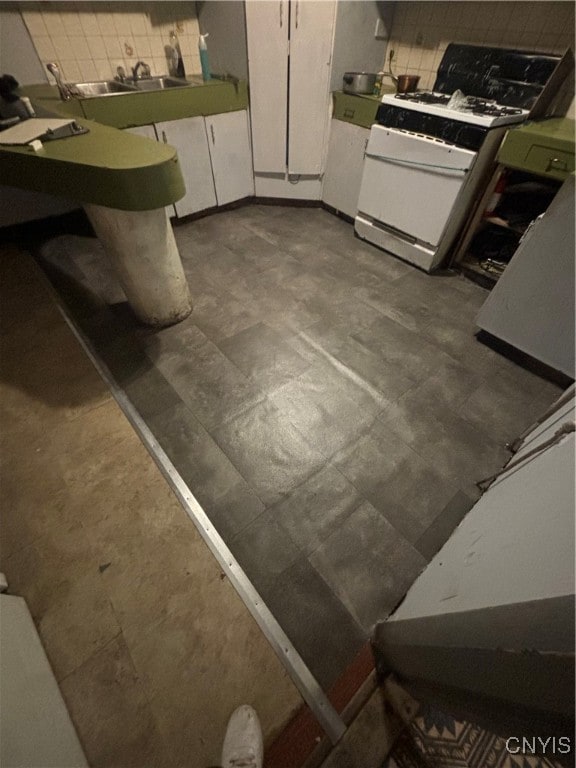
[[435, 738]]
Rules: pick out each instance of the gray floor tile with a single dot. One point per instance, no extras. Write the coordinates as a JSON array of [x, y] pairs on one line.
[[397, 345], [327, 407], [234, 510], [256, 251], [368, 564], [354, 361], [219, 315], [212, 387], [454, 447], [264, 356], [372, 259], [268, 451], [408, 490], [203, 465], [307, 343], [265, 551], [316, 508], [325, 634], [440, 530]]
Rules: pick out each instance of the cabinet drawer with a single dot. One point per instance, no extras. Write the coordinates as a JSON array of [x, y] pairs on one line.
[[553, 163]]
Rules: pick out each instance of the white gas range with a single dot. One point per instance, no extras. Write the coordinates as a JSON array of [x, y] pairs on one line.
[[468, 109], [430, 153]]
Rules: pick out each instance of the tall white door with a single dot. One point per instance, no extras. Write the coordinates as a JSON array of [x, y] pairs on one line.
[[188, 137], [311, 33], [231, 155], [267, 33]]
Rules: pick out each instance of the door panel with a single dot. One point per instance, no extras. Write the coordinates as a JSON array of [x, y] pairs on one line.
[[311, 32], [188, 137], [411, 183], [229, 143], [267, 34], [344, 166]]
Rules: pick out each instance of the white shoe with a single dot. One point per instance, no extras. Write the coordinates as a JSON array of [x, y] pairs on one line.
[[243, 741]]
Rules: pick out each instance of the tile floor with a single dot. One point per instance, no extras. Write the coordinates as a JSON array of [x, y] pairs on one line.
[[328, 405], [150, 644]]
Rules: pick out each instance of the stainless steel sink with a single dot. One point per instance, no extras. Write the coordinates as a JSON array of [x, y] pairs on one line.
[[159, 83], [102, 88]]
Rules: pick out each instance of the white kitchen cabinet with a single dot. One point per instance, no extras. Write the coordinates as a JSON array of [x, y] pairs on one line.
[[188, 137], [231, 156], [267, 32], [289, 55], [147, 131], [344, 166], [311, 31]]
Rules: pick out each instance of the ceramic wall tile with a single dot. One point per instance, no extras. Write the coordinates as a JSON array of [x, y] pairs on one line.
[[93, 38]]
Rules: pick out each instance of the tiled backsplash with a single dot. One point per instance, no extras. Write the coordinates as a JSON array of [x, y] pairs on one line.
[[422, 30], [90, 39]]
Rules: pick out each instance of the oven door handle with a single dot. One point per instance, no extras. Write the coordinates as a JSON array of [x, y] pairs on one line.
[[416, 163]]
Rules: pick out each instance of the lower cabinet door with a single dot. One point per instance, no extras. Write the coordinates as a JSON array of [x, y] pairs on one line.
[[188, 137], [344, 165], [231, 155]]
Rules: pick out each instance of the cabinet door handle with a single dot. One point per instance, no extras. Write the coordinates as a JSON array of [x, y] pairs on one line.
[[297, 12], [212, 133], [349, 112], [281, 13], [164, 139]]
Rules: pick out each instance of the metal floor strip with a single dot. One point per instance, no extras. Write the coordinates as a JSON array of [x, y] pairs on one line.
[[303, 679]]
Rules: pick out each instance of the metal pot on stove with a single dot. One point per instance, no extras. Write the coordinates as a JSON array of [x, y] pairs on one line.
[[359, 82]]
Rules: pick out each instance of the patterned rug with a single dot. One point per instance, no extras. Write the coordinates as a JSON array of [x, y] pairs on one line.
[[436, 740]]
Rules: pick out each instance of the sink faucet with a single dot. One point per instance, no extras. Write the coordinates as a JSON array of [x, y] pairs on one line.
[[145, 69], [120, 75], [66, 92]]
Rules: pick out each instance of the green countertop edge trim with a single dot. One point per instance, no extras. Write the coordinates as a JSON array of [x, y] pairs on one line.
[[557, 133], [107, 167], [356, 109], [135, 109]]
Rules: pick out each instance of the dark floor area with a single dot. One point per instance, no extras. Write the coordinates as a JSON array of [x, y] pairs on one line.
[[327, 404]]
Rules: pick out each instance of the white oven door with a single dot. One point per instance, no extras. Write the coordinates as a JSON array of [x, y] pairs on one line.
[[411, 182]]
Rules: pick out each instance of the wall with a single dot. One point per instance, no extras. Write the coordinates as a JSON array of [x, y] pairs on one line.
[[356, 49], [422, 30], [486, 632], [17, 53], [225, 22], [90, 39]]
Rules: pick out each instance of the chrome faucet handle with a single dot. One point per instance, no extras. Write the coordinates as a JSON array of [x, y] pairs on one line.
[[120, 74], [145, 69], [66, 91]]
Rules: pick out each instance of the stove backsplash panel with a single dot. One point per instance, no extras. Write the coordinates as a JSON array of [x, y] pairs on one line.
[[509, 77]]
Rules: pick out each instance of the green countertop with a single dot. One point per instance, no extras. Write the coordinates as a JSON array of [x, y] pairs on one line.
[[544, 147], [106, 166], [357, 109]]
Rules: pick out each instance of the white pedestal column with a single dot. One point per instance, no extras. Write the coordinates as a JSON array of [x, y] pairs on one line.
[[144, 253]]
